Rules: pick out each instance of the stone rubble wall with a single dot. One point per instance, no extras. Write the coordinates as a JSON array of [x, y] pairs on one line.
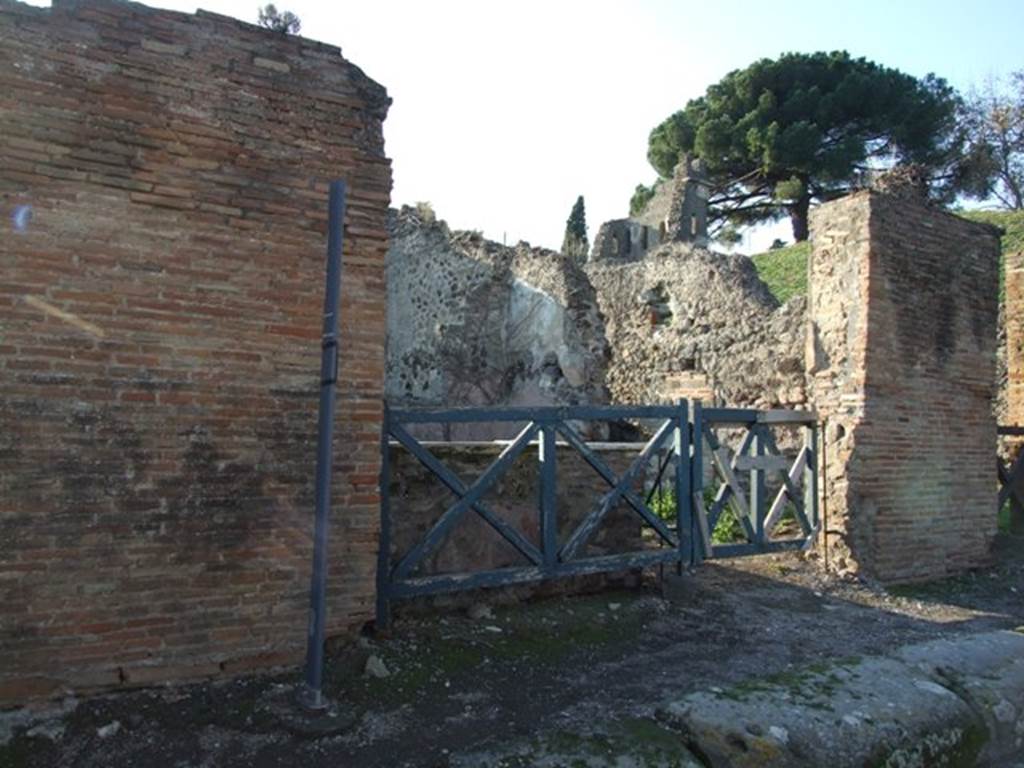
[[472, 322], [686, 322], [160, 342]]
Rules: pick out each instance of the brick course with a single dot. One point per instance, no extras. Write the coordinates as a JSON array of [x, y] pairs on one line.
[[159, 350], [901, 360]]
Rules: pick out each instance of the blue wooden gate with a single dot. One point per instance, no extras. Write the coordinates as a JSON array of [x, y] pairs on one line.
[[743, 476], [682, 541]]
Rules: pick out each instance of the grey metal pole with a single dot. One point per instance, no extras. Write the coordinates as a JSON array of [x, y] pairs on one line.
[[311, 696]]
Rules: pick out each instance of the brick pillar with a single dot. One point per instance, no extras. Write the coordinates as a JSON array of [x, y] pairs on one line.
[[901, 362], [1013, 312]]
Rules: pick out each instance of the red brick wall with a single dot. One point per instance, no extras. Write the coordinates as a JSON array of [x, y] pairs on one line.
[[902, 354], [159, 347]]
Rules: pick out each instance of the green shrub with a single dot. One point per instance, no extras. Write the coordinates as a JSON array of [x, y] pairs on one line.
[[728, 530]]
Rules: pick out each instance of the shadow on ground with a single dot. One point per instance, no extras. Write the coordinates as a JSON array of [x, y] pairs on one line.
[[542, 671]]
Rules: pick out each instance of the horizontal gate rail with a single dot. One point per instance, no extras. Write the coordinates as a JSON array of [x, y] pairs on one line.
[[499, 577], [548, 414]]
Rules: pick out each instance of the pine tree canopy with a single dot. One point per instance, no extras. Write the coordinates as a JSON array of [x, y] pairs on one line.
[[803, 128]]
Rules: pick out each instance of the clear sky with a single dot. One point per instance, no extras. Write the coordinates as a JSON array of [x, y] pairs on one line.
[[504, 112]]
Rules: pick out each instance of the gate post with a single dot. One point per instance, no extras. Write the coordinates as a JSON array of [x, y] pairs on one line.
[[684, 497], [757, 489], [811, 474], [697, 473], [548, 510]]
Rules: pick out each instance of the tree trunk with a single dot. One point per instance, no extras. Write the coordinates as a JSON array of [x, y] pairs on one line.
[[798, 218]]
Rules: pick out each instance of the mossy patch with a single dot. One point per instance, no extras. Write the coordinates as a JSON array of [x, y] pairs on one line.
[[646, 743], [809, 685], [430, 653], [21, 750], [957, 747]]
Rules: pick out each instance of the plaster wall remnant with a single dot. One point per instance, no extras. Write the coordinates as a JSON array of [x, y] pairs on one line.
[[161, 343], [472, 322], [901, 361], [686, 322]]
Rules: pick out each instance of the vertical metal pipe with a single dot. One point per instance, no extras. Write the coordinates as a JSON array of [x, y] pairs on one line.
[[312, 694]]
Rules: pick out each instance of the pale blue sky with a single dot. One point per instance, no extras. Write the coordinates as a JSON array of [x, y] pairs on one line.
[[504, 112]]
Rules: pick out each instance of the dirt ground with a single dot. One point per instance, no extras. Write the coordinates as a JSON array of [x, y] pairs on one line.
[[460, 687]]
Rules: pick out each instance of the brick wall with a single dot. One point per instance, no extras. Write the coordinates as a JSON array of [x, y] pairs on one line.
[[159, 348], [901, 360]]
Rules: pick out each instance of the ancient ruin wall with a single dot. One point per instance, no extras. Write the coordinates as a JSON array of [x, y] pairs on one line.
[[1013, 311], [164, 183], [901, 358], [686, 322], [472, 322]]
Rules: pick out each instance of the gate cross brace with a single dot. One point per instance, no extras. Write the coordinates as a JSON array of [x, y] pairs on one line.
[[436, 535], [1007, 478], [620, 489], [730, 491], [456, 486], [790, 483]]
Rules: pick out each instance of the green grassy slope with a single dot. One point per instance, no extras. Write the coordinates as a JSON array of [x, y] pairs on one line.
[[785, 270]]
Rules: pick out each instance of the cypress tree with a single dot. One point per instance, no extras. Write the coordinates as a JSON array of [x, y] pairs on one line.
[[575, 244]]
